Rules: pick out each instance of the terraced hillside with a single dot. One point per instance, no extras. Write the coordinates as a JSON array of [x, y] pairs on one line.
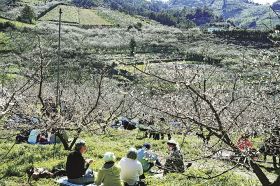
[[71, 14], [95, 56]]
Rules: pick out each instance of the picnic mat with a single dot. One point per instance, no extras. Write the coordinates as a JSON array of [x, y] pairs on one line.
[[64, 182]]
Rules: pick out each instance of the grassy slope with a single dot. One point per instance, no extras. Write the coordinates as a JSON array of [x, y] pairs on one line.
[[23, 156], [31, 2], [89, 17], [123, 19], [76, 15], [4, 41]]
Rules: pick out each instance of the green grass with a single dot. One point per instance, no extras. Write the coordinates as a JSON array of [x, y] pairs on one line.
[[33, 1], [5, 44], [4, 40], [23, 156], [9, 73], [91, 17], [122, 19], [76, 15], [131, 68]]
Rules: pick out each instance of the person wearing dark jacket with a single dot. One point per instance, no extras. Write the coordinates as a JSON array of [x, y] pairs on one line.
[[175, 161], [77, 167]]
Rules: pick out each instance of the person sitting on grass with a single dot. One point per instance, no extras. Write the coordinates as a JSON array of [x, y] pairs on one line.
[[42, 139], [175, 161], [131, 168], [77, 167], [147, 158], [109, 175]]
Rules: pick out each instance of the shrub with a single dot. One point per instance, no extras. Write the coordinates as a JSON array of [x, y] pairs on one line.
[[27, 14], [84, 3], [138, 26], [6, 25]]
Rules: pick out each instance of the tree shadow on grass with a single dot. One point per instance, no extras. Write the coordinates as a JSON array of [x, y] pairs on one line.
[[271, 169]]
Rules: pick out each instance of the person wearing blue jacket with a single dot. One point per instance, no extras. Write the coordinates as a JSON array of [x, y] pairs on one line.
[[147, 158]]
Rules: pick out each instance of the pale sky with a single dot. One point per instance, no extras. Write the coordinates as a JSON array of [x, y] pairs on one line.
[[264, 1]]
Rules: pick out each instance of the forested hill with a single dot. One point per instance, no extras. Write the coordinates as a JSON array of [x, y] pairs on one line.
[[276, 5], [188, 13], [243, 13]]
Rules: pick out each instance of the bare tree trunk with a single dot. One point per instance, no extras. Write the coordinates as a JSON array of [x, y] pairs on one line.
[[277, 182], [260, 174], [41, 75], [73, 143], [65, 143]]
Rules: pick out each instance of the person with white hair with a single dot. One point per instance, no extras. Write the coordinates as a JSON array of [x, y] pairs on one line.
[[131, 168], [109, 174], [77, 167]]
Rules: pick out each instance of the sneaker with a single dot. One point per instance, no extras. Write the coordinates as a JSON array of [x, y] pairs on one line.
[[189, 164]]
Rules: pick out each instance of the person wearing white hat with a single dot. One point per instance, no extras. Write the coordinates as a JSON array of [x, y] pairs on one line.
[[175, 161], [109, 174]]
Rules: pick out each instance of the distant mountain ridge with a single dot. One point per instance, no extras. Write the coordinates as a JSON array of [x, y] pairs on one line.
[[180, 13], [276, 5], [243, 13]]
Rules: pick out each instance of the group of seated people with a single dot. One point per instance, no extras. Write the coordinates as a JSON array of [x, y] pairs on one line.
[[37, 136], [43, 138], [128, 172]]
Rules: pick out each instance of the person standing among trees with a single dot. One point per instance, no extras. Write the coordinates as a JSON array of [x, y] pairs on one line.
[[151, 126], [164, 128], [77, 167], [157, 129]]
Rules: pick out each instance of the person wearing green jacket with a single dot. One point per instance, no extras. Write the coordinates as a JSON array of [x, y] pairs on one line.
[[109, 174]]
